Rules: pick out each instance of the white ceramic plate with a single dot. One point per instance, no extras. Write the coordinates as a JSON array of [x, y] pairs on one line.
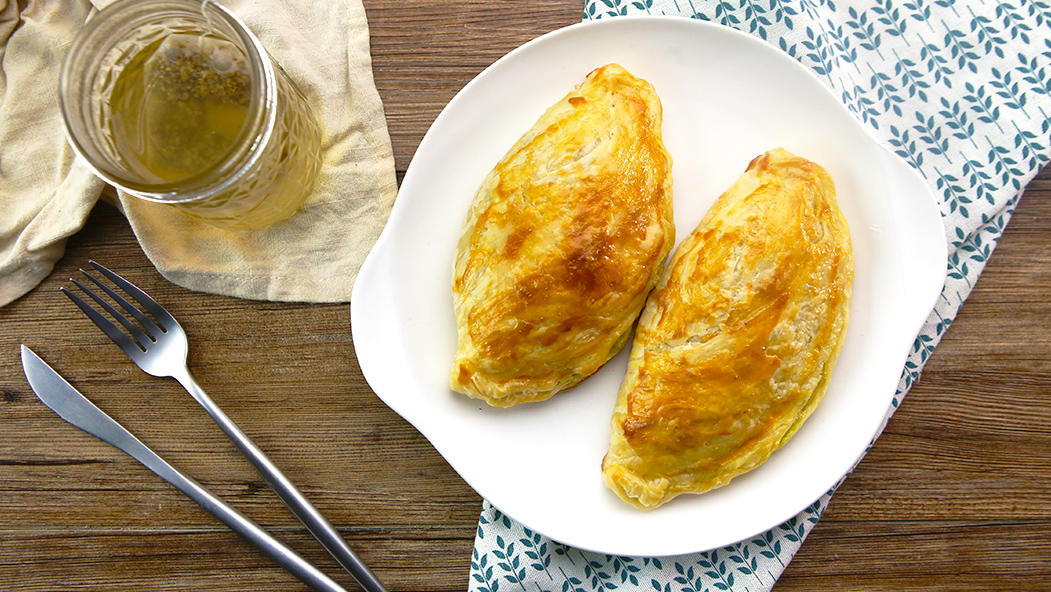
[[727, 97]]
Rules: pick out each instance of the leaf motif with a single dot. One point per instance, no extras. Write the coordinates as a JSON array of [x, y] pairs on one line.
[[954, 98]]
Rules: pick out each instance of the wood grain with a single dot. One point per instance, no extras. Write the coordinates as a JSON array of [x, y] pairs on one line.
[[953, 496]]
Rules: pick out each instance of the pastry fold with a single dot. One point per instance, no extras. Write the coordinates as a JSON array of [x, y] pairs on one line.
[[564, 240], [736, 344]]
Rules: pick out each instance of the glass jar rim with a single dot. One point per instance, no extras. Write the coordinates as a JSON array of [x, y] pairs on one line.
[[255, 133]]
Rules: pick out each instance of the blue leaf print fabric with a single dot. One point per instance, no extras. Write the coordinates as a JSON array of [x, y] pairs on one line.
[[961, 90]]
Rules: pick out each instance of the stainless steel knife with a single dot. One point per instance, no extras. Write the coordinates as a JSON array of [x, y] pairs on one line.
[[75, 408]]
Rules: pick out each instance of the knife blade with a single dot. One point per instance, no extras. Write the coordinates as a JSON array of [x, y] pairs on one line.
[[62, 398]]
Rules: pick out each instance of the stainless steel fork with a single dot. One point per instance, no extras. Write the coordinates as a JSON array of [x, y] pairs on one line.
[[159, 346]]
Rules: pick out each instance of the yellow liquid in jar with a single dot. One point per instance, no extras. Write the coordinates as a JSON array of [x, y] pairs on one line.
[[177, 112], [178, 107]]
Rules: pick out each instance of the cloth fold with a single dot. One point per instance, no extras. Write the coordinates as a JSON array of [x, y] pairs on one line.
[[46, 193], [962, 92]]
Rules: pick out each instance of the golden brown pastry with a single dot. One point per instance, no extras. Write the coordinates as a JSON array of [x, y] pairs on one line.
[[564, 240], [736, 344]]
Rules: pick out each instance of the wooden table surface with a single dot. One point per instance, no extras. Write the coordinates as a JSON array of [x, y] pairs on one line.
[[956, 494]]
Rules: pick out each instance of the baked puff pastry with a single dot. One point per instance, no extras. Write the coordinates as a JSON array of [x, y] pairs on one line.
[[563, 242], [736, 344]]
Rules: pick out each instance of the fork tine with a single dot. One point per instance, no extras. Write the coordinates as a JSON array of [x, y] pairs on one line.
[[151, 328], [116, 335], [164, 318], [136, 331]]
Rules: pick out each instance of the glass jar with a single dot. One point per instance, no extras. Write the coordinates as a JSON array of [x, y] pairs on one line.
[[177, 102]]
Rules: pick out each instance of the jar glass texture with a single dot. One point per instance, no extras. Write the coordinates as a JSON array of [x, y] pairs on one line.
[[177, 102]]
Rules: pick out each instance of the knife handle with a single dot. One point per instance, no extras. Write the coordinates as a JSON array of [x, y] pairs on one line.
[[284, 556], [72, 406]]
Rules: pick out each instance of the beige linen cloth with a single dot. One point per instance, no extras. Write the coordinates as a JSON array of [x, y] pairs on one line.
[[46, 193]]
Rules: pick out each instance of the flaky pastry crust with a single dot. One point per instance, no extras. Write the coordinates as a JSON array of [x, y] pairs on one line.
[[736, 344], [564, 240]]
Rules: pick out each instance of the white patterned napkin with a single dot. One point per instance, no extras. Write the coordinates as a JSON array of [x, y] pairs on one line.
[[46, 194], [959, 89]]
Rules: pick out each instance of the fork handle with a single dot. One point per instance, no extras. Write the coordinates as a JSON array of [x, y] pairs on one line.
[[318, 526]]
